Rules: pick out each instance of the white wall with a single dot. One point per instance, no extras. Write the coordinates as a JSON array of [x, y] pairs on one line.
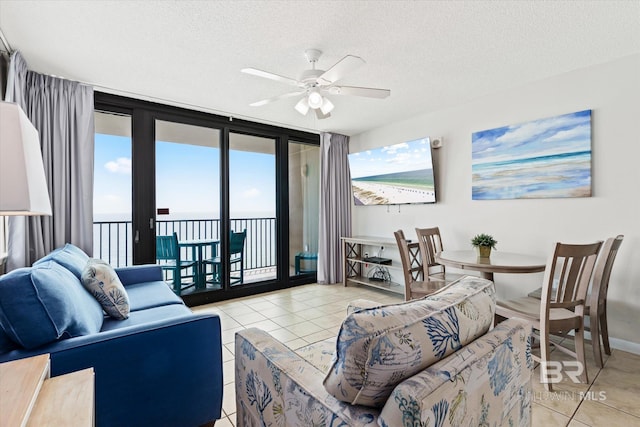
[[612, 92]]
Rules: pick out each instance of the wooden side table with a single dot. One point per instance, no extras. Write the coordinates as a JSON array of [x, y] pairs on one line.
[[30, 397]]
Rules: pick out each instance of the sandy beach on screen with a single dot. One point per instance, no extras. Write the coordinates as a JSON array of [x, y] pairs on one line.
[[372, 193]]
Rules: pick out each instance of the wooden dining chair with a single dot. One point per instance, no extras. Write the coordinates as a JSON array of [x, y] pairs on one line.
[[561, 308], [430, 243], [597, 302], [169, 259], [596, 307], [415, 285]]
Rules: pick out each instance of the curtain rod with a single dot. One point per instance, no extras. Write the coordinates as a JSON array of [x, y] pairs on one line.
[[4, 41]]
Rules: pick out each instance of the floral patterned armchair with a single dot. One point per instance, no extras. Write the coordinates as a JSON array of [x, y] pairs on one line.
[[427, 362]]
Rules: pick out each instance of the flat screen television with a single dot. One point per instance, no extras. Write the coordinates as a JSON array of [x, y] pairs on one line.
[[393, 175]]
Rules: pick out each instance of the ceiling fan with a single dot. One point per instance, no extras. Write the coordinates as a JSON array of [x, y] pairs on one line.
[[315, 84]]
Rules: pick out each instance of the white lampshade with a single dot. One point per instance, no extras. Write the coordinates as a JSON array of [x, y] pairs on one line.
[[315, 99], [23, 186], [302, 106], [327, 106]]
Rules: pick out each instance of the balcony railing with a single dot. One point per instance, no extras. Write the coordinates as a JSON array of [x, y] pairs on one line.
[[113, 240]]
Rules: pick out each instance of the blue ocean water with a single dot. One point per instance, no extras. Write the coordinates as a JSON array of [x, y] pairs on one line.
[[559, 175]]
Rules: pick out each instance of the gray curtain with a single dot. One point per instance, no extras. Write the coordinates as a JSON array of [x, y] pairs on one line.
[[62, 111], [335, 205], [4, 69]]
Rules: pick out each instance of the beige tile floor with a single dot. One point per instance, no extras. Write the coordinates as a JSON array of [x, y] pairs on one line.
[[311, 313]]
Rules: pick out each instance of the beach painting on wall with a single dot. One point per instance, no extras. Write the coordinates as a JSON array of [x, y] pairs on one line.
[[544, 158]]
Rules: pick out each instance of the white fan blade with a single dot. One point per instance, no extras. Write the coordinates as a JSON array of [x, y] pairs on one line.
[[368, 92], [320, 115], [271, 76], [276, 98], [340, 69]]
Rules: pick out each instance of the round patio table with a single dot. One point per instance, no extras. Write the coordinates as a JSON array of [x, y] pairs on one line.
[[197, 245]]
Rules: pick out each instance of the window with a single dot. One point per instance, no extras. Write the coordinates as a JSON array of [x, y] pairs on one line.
[[112, 231], [206, 176]]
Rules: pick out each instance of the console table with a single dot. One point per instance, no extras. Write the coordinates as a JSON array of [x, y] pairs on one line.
[[356, 269]]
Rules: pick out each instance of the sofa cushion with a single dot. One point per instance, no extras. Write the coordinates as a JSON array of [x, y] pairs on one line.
[[139, 273], [46, 303], [101, 280], [150, 315], [6, 344], [379, 347], [69, 256], [151, 294]]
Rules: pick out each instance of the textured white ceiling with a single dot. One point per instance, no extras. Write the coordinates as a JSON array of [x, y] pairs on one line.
[[431, 54]]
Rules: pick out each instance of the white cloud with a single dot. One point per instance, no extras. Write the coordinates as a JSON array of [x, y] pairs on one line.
[[120, 165], [526, 131], [393, 148], [522, 133], [401, 158], [564, 135]]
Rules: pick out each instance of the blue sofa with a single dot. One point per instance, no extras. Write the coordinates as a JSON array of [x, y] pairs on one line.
[[162, 366]]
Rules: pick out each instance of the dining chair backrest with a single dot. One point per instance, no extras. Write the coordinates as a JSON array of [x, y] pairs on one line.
[[167, 247], [430, 244], [236, 242], [562, 306], [567, 277], [602, 273], [411, 260]]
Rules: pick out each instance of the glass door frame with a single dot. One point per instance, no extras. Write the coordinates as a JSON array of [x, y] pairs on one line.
[[143, 117]]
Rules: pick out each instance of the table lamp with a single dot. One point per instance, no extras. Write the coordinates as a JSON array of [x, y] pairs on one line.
[[23, 186]]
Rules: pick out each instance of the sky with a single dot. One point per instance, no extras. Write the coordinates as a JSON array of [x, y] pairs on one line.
[[406, 156], [567, 133], [187, 179]]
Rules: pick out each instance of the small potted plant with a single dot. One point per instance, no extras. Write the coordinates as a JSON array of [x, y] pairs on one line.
[[483, 244]]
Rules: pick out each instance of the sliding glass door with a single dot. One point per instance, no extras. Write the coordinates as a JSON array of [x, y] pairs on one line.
[[252, 207], [112, 227], [241, 197], [187, 184], [304, 199]]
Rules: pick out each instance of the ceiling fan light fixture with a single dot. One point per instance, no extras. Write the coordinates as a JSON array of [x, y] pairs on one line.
[[302, 106], [314, 83], [315, 100], [327, 106]]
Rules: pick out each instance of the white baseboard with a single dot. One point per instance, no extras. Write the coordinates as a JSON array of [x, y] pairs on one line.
[[618, 344]]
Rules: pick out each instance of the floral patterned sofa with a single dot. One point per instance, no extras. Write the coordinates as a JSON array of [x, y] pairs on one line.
[[428, 362]]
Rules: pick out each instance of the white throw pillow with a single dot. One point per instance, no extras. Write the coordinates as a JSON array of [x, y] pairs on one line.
[[101, 280]]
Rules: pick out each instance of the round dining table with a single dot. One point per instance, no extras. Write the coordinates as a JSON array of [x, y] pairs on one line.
[[498, 262]]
